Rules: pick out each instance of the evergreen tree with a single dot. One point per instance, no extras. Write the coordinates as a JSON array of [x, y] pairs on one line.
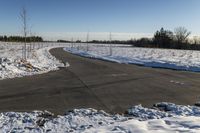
[[163, 38]]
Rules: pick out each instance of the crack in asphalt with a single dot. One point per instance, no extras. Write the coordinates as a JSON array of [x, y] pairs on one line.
[[88, 87]]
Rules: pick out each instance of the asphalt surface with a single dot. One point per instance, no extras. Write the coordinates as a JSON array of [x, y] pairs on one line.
[[90, 83]]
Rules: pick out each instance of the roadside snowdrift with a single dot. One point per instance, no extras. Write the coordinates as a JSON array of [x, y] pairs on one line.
[[188, 60], [177, 118], [39, 61]]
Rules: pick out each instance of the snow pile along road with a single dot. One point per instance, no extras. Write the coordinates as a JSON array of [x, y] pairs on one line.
[[39, 60], [176, 118], [188, 60]]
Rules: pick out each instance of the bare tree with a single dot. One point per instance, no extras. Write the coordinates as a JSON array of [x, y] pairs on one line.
[[87, 41], [23, 17], [72, 43], [110, 46], [181, 34], [31, 41], [32, 38]]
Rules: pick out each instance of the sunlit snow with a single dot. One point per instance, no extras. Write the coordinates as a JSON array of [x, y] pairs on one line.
[[188, 60], [178, 118]]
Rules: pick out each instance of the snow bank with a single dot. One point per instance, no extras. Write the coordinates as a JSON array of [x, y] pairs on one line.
[[164, 109], [39, 60], [91, 120], [188, 60]]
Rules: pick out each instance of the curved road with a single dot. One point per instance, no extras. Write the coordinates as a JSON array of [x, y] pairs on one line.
[[97, 84]]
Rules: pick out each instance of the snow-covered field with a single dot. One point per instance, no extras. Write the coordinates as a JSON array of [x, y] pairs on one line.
[[165, 118], [165, 58], [39, 60]]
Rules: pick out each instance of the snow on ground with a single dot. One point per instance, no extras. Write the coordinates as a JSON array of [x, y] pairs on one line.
[[163, 117], [39, 60], [165, 58], [177, 118]]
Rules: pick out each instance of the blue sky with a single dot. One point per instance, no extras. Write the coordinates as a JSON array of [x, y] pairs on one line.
[[67, 18]]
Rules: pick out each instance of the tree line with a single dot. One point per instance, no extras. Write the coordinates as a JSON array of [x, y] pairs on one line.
[[21, 39], [179, 39]]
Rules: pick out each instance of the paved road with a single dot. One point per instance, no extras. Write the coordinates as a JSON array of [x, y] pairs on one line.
[[98, 84]]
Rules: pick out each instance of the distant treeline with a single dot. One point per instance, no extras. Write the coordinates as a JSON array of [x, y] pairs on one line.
[[64, 41], [153, 43], [21, 39], [162, 39]]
